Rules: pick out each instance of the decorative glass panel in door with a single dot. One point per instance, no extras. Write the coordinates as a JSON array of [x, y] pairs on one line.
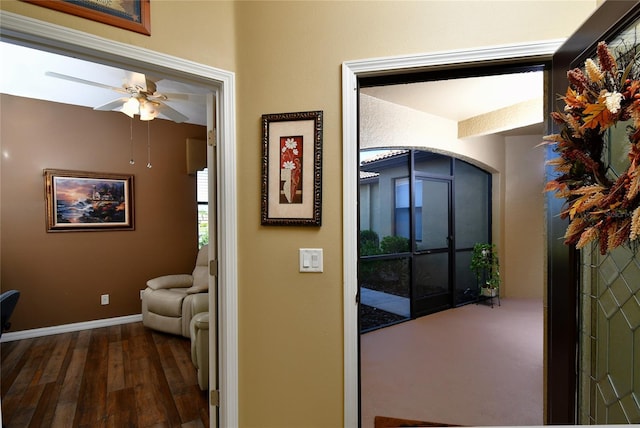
[[610, 337]]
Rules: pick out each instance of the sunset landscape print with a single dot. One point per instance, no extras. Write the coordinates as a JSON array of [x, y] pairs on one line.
[[78, 202]]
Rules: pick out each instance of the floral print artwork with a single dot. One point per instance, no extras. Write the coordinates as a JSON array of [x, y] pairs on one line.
[[291, 170]]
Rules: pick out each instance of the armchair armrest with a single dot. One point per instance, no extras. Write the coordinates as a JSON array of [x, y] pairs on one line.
[[197, 290], [201, 321], [170, 281], [199, 303]]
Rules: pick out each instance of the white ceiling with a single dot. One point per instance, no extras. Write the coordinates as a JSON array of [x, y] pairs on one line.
[[23, 74], [463, 98]]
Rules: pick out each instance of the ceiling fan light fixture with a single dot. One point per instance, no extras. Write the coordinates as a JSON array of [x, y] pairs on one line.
[[148, 110], [131, 107], [140, 97]]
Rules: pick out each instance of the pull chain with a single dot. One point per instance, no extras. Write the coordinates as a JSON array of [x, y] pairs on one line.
[[148, 144], [131, 161]]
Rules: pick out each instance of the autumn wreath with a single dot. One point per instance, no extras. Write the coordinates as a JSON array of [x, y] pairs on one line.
[[602, 206]]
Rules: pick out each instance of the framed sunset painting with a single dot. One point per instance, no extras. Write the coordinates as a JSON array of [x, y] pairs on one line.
[[292, 168], [88, 201], [132, 15]]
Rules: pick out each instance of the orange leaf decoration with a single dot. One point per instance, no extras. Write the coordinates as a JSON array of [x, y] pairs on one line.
[[634, 184], [553, 185], [587, 236], [602, 210], [597, 114], [633, 88], [572, 99], [574, 230]]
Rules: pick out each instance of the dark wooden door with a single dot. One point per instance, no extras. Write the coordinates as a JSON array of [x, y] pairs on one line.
[[563, 278]]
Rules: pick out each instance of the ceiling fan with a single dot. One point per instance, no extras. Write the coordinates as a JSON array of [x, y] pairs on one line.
[[141, 97]]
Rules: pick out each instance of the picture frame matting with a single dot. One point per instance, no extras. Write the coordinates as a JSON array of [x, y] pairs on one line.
[[292, 169]]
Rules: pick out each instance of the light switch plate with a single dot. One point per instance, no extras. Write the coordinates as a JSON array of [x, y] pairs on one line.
[[311, 260]]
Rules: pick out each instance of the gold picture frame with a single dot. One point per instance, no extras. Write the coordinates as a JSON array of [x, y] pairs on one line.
[[133, 15], [292, 169], [88, 201]]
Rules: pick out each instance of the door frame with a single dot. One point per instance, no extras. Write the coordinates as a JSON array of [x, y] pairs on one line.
[[54, 38], [351, 72]]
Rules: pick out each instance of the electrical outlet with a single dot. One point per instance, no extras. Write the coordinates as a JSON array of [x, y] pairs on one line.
[[104, 299]]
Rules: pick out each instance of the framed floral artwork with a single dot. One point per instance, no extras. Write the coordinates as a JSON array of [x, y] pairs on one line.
[[292, 168], [88, 201]]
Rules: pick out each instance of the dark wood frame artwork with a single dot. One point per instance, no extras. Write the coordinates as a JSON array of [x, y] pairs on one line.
[[563, 268], [97, 199], [295, 208], [95, 12]]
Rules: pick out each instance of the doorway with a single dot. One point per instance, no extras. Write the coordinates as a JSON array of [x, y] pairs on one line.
[[432, 289], [421, 213], [353, 72], [49, 37]]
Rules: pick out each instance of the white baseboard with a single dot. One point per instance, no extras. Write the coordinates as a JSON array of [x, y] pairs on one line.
[[65, 328]]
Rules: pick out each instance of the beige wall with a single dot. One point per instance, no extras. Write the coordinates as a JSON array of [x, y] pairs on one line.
[[287, 56], [300, 348], [524, 242], [201, 31], [62, 275]]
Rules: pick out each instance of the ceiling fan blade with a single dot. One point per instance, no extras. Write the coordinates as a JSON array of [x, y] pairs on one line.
[[135, 80], [83, 81], [172, 114], [195, 98], [112, 104]]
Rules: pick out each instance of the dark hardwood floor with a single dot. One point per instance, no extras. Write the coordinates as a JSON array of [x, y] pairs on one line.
[[119, 376]]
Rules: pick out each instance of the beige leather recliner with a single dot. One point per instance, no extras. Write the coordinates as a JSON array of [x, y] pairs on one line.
[[200, 338], [166, 302]]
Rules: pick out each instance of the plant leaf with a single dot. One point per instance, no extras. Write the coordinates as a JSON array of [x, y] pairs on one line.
[[597, 114]]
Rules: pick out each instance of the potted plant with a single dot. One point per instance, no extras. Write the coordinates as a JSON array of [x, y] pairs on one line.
[[486, 266]]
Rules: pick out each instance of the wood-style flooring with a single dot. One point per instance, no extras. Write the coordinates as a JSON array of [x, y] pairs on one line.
[[119, 376]]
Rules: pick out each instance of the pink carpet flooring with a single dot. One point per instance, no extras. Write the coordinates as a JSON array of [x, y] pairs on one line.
[[473, 365]]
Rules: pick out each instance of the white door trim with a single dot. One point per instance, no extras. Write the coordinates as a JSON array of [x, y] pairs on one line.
[[351, 71], [47, 36]]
